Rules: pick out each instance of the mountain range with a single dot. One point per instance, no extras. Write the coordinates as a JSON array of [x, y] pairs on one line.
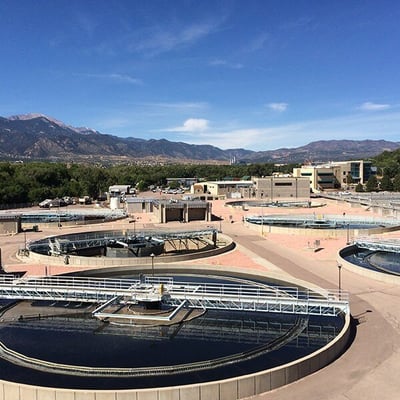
[[39, 137]]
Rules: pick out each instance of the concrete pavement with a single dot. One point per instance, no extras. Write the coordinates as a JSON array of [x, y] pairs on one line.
[[368, 369]]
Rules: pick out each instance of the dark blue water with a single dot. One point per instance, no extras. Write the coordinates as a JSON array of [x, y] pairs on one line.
[[380, 261], [82, 340]]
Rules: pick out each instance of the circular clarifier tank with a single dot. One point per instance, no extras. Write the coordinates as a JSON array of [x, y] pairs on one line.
[[319, 222], [378, 256], [61, 344]]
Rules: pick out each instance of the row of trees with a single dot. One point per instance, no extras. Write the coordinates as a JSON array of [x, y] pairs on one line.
[[33, 182], [388, 164]]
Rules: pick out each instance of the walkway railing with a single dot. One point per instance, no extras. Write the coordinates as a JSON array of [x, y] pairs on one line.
[[249, 297], [391, 245]]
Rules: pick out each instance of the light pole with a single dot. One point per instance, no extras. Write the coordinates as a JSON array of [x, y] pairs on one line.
[[262, 221], [59, 215], [340, 280], [220, 223], [348, 234], [152, 255]]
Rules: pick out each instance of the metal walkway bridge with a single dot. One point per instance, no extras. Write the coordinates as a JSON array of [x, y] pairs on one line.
[[235, 296]]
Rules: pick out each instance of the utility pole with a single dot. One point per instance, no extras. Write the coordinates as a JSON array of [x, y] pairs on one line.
[[152, 255]]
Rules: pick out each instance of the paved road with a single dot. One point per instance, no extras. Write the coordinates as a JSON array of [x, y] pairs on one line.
[[369, 368]]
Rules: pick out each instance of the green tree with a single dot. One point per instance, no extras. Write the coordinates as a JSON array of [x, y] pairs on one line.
[[36, 181], [386, 183], [13, 193], [372, 184], [359, 188], [396, 183], [349, 179], [388, 163], [174, 185]]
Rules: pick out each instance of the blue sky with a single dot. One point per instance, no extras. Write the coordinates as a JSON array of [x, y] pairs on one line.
[[256, 74]]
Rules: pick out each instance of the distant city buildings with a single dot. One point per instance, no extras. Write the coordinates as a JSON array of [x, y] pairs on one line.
[[306, 179]]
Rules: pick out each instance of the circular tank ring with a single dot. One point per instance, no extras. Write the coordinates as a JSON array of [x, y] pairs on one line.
[[223, 244], [382, 275], [226, 389]]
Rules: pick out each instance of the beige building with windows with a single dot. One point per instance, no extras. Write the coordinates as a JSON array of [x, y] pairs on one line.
[[336, 175]]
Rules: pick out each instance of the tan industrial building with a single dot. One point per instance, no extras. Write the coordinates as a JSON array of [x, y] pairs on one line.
[[170, 210], [270, 188], [223, 189], [135, 205], [274, 188], [10, 224], [183, 211], [335, 175]]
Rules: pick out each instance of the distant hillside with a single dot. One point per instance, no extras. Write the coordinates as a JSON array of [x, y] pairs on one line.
[[38, 137], [327, 150]]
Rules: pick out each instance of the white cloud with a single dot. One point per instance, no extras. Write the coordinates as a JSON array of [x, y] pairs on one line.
[[302, 22], [352, 127], [224, 63], [239, 138], [368, 106], [280, 107], [258, 43], [123, 78], [235, 134], [192, 125], [156, 40]]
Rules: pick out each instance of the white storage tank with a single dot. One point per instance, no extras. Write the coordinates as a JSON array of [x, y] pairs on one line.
[[115, 203]]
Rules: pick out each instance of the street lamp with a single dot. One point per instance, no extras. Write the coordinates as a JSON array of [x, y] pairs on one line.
[[262, 220], [152, 255], [59, 215], [340, 280], [348, 234]]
